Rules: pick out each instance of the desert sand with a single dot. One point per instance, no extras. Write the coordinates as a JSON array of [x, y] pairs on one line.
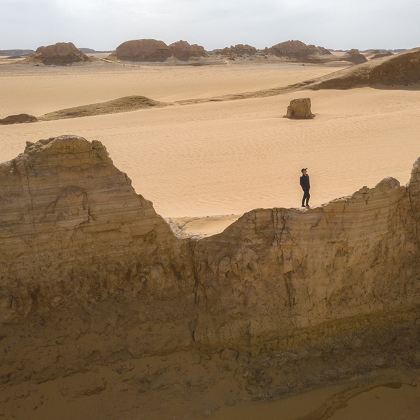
[[380, 399], [222, 158]]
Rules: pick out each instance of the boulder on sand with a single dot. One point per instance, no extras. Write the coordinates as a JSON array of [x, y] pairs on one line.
[[300, 109], [182, 50], [60, 54], [149, 50]]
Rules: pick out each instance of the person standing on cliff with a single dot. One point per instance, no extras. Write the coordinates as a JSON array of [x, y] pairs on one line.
[[306, 186]]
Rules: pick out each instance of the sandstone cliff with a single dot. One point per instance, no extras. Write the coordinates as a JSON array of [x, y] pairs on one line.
[[93, 280]]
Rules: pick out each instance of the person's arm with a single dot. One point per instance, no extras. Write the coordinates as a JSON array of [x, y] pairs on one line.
[[301, 182]]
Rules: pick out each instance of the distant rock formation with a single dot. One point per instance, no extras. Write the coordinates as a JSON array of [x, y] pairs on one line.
[[148, 50], [60, 54], [300, 109], [354, 56], [18, 119], [298, 50], [238, 50], [397, 70], [184, 51], [94, 281], [87, 50], [380, 55], [16, 53]]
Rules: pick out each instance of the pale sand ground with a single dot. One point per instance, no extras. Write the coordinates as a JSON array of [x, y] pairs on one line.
[[381, 401], [224, 157]]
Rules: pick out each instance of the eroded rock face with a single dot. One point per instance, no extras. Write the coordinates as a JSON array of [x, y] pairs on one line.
[[299, 109], [143, 50], [62, 53], [91, 276], [184, 51]]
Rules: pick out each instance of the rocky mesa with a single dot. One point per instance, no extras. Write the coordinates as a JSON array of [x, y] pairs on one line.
[[60, 54], [93, 280]]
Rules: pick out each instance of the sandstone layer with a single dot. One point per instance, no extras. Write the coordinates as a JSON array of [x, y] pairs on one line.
[[61, 54], [92, 279]]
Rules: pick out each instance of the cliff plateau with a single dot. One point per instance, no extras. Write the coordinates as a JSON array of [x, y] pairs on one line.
[[100, 301]]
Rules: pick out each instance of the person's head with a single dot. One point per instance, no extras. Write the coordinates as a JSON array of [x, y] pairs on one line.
[[304, 171]]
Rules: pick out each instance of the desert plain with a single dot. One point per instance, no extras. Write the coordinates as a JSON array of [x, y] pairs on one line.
[[221, 158]]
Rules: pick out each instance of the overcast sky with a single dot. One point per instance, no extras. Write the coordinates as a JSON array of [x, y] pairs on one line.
[[104, 24]]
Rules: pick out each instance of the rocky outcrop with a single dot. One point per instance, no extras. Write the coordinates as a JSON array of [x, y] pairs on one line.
[[299, 109], [280, 301], [18, 119], [397, 70], [238, 50], [148, 50], [60, 54], [184, 51], [298, 50], [354, 56]]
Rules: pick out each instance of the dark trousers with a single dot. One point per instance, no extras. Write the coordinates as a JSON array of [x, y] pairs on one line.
[[306, 197]]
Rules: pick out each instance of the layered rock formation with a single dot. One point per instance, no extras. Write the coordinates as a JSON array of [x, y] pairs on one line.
[[396, 70], [184, 51], [299, 109], [149, 50], [298, 50], [282, 300], [60, 54]]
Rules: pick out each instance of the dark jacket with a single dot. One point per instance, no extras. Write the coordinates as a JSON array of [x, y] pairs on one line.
[[304, 182]]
